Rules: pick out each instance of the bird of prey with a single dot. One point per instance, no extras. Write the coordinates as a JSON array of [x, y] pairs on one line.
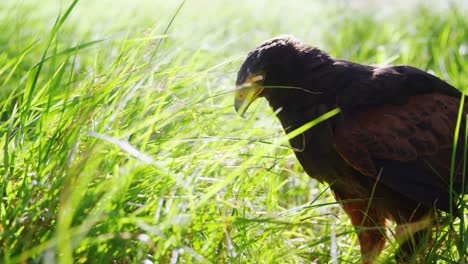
[[387, 153]]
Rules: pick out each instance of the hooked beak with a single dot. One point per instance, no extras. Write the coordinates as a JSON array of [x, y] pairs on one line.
[[247, 92]]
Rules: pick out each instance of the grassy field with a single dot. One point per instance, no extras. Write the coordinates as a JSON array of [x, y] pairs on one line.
[[119, 142]]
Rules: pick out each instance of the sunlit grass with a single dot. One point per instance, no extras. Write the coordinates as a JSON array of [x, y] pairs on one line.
[[119, 141]]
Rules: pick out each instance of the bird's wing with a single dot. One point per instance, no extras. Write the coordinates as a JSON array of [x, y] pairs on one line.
[[391, 84], [394, 142]]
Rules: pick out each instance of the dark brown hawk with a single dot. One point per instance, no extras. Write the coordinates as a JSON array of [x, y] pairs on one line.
[[386, 155]]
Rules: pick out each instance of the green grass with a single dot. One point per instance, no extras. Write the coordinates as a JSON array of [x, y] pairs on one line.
[[119, 141]]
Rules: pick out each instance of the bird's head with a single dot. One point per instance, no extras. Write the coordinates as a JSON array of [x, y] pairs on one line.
[[271, 68]]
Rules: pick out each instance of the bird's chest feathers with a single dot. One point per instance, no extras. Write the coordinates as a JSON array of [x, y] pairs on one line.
[[314, 148]]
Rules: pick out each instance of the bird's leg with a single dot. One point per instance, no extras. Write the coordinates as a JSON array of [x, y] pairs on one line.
[[408, 250], [370, 228], [412, 238]]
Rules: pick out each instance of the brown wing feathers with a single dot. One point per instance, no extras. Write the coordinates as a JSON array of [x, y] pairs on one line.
[[392, 84], [406, 136]]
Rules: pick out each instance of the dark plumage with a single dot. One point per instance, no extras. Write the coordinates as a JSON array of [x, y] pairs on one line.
[[386, 154]]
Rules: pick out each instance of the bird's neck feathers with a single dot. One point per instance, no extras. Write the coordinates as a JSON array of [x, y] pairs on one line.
[[315, 59], [295, 111]]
